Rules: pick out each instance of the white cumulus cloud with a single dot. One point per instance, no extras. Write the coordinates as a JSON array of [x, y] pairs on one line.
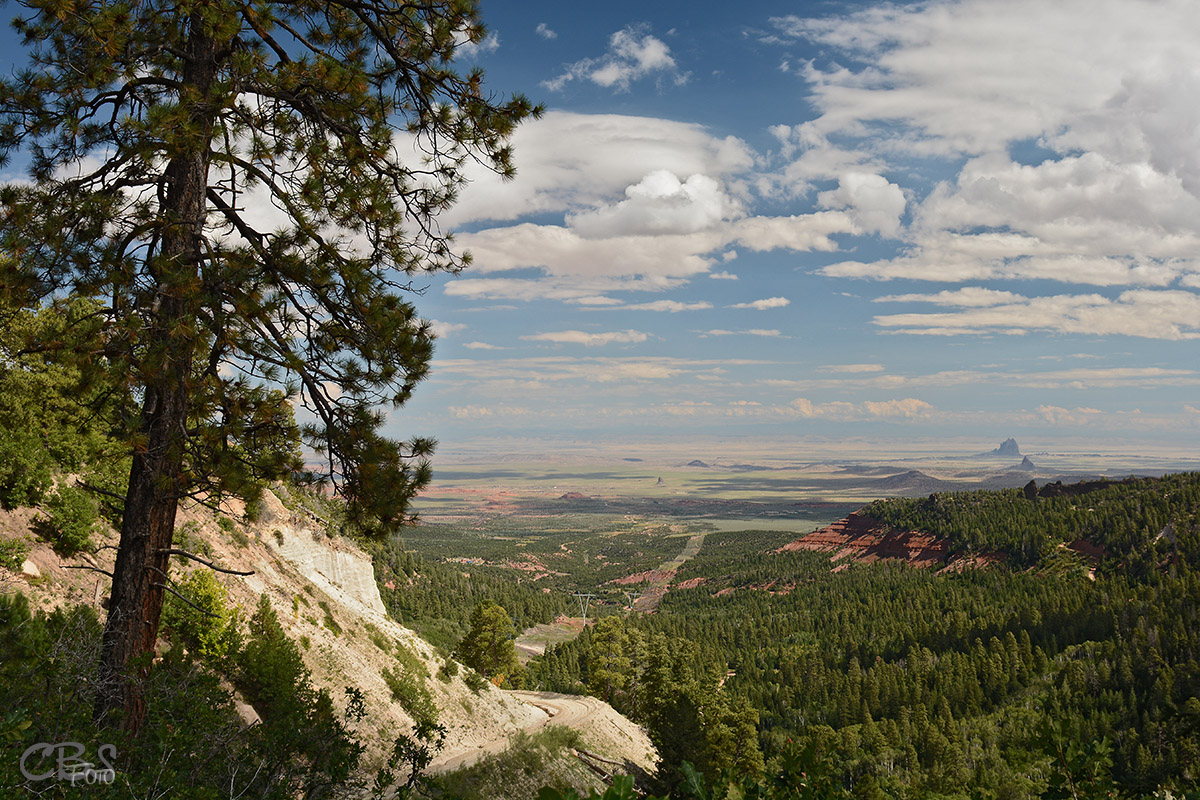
[[633, 53]]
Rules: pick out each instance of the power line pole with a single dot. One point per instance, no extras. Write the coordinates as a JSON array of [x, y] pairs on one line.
[[583, 604]]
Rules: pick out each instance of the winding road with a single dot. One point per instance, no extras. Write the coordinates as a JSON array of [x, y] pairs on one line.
[[575, 711]]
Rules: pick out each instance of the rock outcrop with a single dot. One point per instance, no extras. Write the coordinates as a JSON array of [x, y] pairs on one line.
[[1008, 448], [860, 538]]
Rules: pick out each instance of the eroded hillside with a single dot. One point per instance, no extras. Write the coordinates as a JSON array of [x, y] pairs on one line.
[[324, 592]]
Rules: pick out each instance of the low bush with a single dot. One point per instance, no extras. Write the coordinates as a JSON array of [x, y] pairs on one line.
[[70, 520], [25, 469], [13, 553]]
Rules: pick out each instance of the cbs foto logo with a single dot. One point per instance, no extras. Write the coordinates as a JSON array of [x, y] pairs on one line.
[[64, 761]]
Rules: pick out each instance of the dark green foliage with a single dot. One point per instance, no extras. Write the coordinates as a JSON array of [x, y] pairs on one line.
[[409, 757], [474, 681], [107, 477], [70, 520], [889, 681], [193, 744], [150, 129], [305, 744], [25, 468], [329, 622], [436, 598], [1127, 518], [208, 627], [488, 646]]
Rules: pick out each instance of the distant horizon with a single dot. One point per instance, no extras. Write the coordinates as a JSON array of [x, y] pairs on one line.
[[751, 449]]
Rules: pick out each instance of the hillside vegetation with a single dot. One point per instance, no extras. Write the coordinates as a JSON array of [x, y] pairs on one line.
[[1136, 521], [1028, 679]]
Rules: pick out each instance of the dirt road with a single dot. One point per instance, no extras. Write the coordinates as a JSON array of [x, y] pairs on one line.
[[576, 711]]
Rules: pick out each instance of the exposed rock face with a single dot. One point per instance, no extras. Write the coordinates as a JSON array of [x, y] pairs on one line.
[[864, 539], [343, 573], [324, 592], [1007, 448], [1025, 466]]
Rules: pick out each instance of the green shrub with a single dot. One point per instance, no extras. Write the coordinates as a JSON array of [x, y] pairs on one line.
[[238, 535], [408, 691], [448, 670], [380, 640], [211, 639], [475, 682], [330, 622], [270, 666], [407, 682], [187, 537], [13, 553], [109, 475], [70, 520], [25, 469]]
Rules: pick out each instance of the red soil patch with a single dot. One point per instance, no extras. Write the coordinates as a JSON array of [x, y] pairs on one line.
[[1092, 552], [649, 576], [866, 540], [975, 561], [691, 583], [574, 623]]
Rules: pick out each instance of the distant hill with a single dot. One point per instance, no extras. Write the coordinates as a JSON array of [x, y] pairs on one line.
[[913, 482], [696, 463], [1026, 465]]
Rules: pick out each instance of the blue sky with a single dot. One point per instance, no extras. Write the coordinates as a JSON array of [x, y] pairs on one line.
[[827, 221], [832, 220]]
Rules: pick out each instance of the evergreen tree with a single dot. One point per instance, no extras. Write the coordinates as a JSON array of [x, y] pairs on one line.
[[488, 646], [157, 134]]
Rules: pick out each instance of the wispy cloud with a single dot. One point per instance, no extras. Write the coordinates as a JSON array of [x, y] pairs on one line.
[[445, 329], [545, 32], [1146, 313], [764, 304], [588, 339], [852, 368], [672, 306], [489, 44], [750, 332]]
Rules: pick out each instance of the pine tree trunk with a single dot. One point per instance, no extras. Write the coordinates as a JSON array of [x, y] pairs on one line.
[[147, 530], [156, 479]]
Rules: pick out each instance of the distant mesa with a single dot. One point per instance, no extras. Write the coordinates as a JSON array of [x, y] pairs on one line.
[[1007, 449], [697, 463], [635, 460]]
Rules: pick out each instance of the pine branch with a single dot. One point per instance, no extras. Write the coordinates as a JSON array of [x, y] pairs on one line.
[[176, 552]]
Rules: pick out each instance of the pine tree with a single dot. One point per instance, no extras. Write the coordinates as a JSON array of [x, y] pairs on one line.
[[245, 189], [488, 646]]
